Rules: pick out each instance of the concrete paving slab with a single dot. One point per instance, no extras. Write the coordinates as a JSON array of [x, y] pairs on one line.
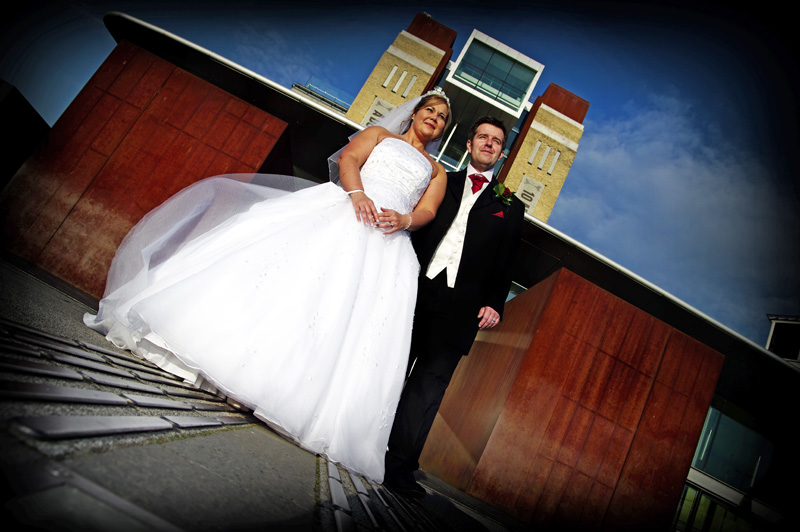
[[238, 479]]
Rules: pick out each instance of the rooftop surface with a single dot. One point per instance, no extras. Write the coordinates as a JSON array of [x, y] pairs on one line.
[[94, 438]]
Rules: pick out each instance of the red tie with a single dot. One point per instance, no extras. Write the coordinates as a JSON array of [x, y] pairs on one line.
[[477, 181]]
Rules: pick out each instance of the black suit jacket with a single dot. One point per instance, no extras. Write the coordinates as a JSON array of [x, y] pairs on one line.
[[490, 244]]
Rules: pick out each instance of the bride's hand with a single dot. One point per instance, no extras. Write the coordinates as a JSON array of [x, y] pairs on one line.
[[392, 221], [365, 209]]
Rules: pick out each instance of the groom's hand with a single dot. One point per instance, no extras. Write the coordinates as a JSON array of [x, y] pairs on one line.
[[488, 317]]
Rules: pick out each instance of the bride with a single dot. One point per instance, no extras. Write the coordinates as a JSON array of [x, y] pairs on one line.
[[300, 304]]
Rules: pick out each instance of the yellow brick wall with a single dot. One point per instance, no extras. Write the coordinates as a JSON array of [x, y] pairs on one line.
[[564, 127], [427, 54]]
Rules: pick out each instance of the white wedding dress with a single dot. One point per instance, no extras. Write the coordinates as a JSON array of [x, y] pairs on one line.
[[282, 300]]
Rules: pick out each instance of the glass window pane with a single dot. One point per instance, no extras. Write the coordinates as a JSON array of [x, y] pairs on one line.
[[455, 149], [499, 66], [495, 75], [520, 77], [685, 507], [468, 74], [478, 55], [511, 96], [732, 452], [489, 85], [703, 511]]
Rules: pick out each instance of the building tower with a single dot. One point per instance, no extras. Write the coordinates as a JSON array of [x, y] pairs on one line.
[[409, 67], [488, 78], [542, 155]]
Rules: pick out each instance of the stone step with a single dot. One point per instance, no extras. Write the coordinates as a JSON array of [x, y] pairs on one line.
[[84, 384]]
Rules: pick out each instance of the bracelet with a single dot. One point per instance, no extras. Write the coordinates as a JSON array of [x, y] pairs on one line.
[[354, 191], [410, 221]]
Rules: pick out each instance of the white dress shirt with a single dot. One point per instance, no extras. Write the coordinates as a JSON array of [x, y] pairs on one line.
[[448, 252]]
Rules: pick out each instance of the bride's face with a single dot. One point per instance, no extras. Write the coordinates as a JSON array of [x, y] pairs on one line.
[[430, 120]]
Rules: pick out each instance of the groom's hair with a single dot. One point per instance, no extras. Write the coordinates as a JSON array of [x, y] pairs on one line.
[[492, 121]]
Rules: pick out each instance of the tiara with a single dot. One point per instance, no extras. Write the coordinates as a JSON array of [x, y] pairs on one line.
[[437, 91]]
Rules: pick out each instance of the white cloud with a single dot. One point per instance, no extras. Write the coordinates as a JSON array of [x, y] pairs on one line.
[[657, 190]]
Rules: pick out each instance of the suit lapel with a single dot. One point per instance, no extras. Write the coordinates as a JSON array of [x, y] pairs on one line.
[[455, 185], [487, 196], [452, 201]]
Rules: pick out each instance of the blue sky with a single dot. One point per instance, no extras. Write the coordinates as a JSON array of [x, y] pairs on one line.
[[687, 170]]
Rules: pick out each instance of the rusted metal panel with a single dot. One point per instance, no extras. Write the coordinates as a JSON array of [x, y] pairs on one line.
[[140, 130], [595, 421]]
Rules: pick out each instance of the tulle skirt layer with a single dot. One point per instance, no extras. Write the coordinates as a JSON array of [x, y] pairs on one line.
[[282, 300]]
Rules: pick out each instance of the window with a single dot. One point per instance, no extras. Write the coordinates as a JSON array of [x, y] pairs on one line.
[[700, 511], [400, 81], [390, 76], [410, 84], [731, 452], [495, 74], [535, 151], [553, 164], [544, 158]]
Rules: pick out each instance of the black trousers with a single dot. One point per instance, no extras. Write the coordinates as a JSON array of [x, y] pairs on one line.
[[437, 345]]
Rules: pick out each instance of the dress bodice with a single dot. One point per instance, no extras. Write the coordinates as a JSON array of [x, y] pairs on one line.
[[396, 175]]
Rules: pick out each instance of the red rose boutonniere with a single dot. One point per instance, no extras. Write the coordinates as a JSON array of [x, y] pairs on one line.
[[503, 193]]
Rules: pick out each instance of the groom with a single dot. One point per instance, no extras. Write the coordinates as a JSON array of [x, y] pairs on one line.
[[464, 255]]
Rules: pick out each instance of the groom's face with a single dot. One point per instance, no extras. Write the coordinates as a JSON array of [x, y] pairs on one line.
[[486, 147]]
